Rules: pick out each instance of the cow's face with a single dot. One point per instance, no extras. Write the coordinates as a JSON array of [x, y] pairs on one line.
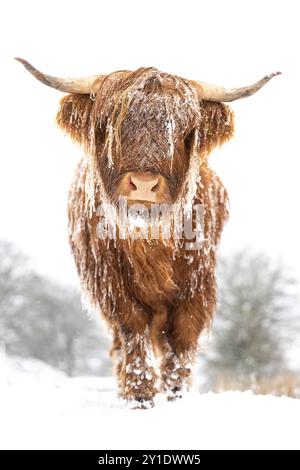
[[142, 129], [146, 150]]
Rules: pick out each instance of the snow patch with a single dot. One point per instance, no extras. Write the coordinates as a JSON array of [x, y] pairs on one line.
[[41, 408]]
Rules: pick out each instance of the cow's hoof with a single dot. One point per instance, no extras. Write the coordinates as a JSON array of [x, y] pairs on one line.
[[140, 403], [174, 394], [174, 397]]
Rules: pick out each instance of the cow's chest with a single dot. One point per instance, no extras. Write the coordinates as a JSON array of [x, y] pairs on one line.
[[148, 272]]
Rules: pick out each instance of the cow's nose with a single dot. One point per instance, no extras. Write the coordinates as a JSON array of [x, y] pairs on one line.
[[144, 183], [149, 187], [143, 186]]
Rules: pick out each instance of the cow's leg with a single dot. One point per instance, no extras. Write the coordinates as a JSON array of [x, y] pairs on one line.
[[137, 375], [176, 373], [180, 346]]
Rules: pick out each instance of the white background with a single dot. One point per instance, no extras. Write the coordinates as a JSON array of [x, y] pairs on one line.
[[232, 43]]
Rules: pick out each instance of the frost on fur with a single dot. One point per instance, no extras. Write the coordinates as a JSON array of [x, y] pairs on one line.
[[156, 295]]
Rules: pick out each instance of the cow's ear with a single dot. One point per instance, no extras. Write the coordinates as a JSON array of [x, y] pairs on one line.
[[217, 125], [74, 115]]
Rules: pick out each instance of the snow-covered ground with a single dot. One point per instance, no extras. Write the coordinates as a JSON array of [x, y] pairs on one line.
[[41, 408]]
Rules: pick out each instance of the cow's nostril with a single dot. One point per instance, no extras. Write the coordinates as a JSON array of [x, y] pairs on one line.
[[132, 185], [155, 187]]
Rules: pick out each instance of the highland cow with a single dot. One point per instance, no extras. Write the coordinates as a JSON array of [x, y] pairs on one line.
[[146, 137]]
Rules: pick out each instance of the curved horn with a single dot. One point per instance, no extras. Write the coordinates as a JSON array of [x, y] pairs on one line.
[[88, 85], [216, 93]]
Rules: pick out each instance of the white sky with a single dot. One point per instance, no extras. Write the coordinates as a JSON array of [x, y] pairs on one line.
[[228, 42]]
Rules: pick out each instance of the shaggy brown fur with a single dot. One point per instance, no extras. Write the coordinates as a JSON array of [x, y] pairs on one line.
[[153, 293]]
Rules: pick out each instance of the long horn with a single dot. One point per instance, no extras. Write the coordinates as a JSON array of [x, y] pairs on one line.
[[88, 85], [209, 92]]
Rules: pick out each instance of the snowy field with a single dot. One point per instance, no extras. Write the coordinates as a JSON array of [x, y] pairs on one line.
[[41, 408]]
